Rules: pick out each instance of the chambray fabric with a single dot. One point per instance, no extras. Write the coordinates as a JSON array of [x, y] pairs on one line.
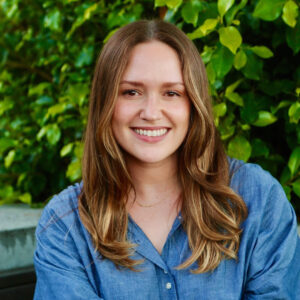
[[268, 265]]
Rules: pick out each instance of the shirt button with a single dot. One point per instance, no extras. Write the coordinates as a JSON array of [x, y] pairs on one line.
[[165, 271], [168, 285]]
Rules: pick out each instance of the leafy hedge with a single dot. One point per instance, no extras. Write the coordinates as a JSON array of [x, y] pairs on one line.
[[47, 55]]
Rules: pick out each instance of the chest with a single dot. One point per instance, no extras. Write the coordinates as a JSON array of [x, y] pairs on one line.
[[156, 233], [156, 227], [158, 279]]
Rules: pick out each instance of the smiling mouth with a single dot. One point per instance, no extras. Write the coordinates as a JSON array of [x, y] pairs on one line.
[[157, 132]]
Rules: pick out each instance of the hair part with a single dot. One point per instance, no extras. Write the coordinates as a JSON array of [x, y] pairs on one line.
[[212, 212]]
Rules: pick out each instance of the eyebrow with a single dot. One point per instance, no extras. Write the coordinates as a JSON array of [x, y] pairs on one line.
[[136, 83]]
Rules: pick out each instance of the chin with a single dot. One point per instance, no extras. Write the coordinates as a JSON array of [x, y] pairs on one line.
[[150, 158]]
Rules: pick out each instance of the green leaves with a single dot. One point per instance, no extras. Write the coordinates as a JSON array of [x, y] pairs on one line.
[[294, 112], [52, 133], [233, 12], [265, 118], [5, 105], [232, 96], [38, 89], [190, 12], [173, 4], [239, 148], [85, 57], [10, 8], [253, 68], [207, 27], [262, 51], [6, 143], [222, 61], [9, 158], [74, 168], [53, 20], [293, 38], [220, 109], [296, 187], [89, 12], [294, 160], [259, 148], [240, 60], [224, 6], [78, 93], [8, 195], [56, 109], [235, 98], [66, 149], [290, 13], [85, 11], [268, 10], [230, 38], [25, 198]]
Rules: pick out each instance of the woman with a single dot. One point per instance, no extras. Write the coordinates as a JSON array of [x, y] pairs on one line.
[[161, 212]]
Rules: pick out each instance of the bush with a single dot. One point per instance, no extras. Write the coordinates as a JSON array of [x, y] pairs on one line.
[[48, 51]]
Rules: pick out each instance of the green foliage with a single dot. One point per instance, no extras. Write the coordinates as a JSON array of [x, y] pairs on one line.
[[240, 148], [230, 37], [47, 55], [290, 13], [223, 6], [268, 10]]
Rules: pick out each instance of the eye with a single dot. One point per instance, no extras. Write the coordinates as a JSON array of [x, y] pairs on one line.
[[172, 94], [130, 92]]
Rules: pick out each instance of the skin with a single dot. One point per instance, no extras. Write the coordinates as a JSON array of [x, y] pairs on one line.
[[152, 96]]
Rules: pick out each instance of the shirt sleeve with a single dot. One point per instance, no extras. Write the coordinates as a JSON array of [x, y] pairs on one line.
[[60, 272], [274, 266]]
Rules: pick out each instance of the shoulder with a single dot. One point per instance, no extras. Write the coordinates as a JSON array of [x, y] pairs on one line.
[[263, 195], [249, 174], [269, 248], [62, 208], [60, 224], [254, 184]]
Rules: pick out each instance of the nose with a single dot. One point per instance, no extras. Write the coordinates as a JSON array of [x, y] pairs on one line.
[[151, 110]]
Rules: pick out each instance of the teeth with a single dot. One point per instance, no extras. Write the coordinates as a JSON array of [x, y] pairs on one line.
[[158, 132]]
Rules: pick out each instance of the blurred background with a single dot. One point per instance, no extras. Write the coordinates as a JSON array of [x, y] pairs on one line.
[[48, 51]]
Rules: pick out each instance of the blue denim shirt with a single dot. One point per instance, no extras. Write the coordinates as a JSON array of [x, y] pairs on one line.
[[268, 265]]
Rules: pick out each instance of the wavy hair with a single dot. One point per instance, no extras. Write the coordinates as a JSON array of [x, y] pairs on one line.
[[212, 212]]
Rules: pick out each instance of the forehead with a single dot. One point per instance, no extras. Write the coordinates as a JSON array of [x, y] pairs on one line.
[[153, 60]]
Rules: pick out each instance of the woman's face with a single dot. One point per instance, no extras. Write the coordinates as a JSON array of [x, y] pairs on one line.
[[152, 112]]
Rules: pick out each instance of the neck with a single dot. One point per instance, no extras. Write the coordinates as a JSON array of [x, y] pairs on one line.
[[155, 181]]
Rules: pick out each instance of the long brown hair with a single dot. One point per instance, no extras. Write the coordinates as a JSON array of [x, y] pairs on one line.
[[211, 211]]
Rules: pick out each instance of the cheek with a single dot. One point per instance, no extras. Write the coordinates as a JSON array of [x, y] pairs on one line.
[[183, 112], [117, 123], [188, 111], [121, 115]]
